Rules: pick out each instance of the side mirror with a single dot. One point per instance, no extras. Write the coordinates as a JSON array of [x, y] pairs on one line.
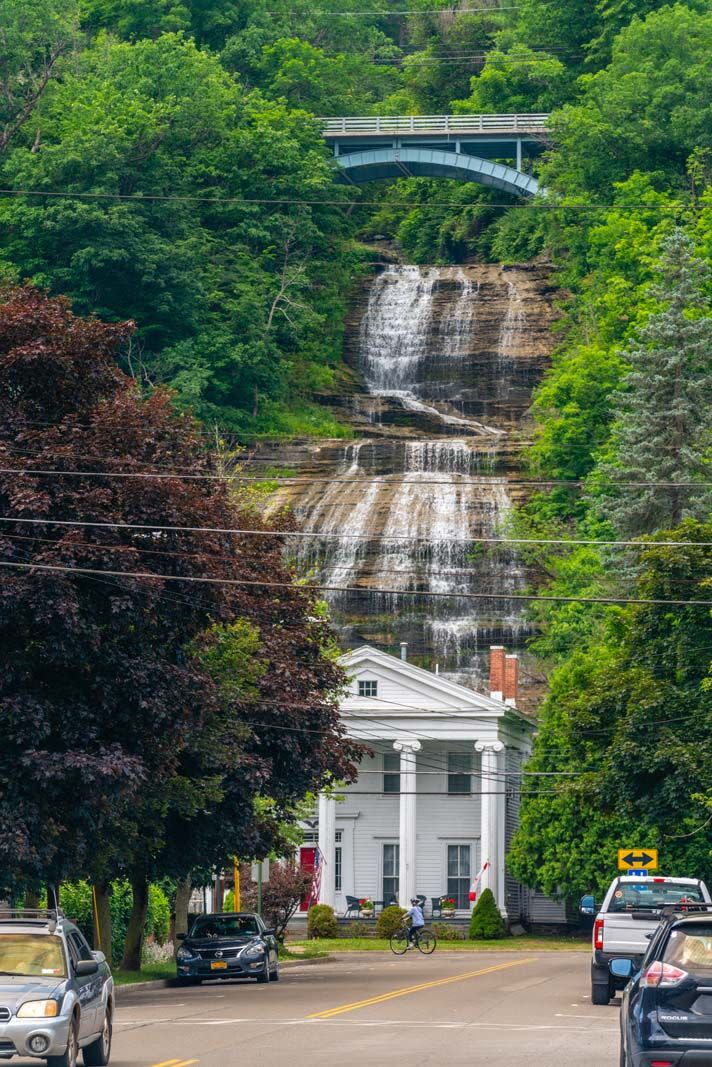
[[99, 956], [621, 968], [587, 905], [181, 936], [83, 968], [270, 933]]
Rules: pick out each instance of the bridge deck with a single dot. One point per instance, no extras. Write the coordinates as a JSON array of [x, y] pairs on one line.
[[433, 125]]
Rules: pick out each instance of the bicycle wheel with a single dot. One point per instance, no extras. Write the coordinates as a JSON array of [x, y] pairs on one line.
[[399, 942], [426, 942]]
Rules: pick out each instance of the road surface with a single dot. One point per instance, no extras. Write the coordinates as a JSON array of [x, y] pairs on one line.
[[457, 1008]]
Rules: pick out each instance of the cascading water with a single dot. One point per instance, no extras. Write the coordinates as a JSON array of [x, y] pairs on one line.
[[438, 347]]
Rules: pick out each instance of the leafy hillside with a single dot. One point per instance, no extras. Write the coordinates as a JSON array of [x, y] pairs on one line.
[[161, 162]]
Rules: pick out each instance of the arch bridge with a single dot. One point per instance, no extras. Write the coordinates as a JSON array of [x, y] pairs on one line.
[[489, 149]]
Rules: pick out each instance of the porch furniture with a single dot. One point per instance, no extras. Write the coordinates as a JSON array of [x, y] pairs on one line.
[[421, 898], [352, 905], [436, 906]]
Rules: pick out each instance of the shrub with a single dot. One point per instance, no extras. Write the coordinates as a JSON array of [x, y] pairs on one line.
[[446, 932], [486, 923], [321, 921], [389, 920], [357, 930]]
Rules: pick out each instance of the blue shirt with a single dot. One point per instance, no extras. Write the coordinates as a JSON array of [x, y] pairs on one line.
[[416, 916]]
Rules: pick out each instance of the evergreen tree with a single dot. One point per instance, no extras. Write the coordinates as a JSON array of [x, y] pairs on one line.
[[662, 410], [486, 922]]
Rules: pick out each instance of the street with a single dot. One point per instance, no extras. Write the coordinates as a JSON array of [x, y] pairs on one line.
[[499, 1008]]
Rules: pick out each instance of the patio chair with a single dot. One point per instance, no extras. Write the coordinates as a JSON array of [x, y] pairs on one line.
[[352, 905], [437, 906], [421, 898]]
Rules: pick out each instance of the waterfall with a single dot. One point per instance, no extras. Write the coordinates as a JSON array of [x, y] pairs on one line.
[[448, 357]]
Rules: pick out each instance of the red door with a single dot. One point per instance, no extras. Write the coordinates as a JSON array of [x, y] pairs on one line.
[[307, 856]]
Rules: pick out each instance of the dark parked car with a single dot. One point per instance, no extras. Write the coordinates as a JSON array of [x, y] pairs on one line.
[[666, 1012], [228, 945]]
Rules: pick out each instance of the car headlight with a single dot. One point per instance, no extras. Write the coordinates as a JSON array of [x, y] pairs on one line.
[[253, 952], [185, 954], [38, 1009]]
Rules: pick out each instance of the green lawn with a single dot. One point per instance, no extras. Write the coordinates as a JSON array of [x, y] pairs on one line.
[[151, 972], [525, 943]]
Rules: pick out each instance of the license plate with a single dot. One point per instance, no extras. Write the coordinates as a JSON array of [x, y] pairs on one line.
[[218, 965]]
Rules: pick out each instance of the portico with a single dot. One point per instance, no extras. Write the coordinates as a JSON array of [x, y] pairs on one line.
[[438, 794]]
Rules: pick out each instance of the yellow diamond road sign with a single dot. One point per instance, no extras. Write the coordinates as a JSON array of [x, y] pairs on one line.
[[637, 859]]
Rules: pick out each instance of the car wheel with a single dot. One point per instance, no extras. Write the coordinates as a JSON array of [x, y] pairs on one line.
[[275, 972], [262, 979], [97, 1054], [71, 1054], [600, 993]]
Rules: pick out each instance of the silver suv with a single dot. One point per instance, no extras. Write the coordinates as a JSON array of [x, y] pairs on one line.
[[630, 914], [56, 995]]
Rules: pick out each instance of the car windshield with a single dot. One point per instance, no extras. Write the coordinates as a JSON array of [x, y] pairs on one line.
[[35, 954], [225, 926], [631, 896], [690, 948]]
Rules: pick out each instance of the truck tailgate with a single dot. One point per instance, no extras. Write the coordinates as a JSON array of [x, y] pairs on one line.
[[622, 933]]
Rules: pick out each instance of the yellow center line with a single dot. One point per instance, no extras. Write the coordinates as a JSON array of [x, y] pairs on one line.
[[329, 1013], [166, 1063]]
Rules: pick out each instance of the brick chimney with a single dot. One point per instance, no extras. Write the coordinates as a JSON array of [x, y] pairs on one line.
[[497, 672], [511, 680]]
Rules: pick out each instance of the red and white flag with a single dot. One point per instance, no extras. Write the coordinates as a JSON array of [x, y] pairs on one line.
[[476, 884]]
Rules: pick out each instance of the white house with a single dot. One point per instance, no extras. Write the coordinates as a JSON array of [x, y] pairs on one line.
[[439, 793]]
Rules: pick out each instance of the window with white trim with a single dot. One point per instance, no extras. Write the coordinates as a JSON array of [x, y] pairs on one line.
[[391, 772], [459, 875], [459, 773], [368, 688], [391, 860]]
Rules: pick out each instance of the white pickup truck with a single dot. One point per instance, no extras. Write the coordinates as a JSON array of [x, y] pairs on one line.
[[631, 911]]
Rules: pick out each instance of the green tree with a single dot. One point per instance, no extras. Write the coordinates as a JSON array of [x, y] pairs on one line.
[[486, 922], [662, 410], [518, 79], [650, 102], [34, 37]]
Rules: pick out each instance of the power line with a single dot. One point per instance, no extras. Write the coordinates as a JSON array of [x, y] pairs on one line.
[[352, 589], [241, 532], [385, 479]]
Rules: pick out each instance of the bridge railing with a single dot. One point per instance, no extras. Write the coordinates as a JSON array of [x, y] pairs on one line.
[[404, 124]]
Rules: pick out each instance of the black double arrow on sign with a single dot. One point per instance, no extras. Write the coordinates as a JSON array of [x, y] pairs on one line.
[[638, 859]]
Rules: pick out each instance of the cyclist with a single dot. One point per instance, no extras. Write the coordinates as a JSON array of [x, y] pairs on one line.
[[417, 921]]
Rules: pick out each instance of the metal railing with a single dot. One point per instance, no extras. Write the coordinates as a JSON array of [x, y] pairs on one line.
[[404, 124]]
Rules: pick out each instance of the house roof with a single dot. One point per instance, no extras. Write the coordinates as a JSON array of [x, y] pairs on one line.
[[423, 692]]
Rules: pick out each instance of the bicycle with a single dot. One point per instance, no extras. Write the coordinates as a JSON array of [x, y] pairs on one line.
[[423, 939]]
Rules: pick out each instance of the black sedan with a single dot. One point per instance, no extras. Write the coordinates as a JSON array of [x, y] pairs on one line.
[[228, 945], [666, 1012]]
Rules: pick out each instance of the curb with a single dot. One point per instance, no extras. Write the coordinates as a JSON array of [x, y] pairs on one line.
[[169, 983]]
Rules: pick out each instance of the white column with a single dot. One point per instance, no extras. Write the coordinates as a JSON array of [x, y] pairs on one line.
[[407, 831], [492, 828], [327, 849]]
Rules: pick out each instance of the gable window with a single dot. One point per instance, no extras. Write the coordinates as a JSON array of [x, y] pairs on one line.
[[458, 874], [368, 689], [459, 773], [391, 773]]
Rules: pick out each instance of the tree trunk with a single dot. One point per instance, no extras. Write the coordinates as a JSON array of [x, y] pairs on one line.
[[137, 925], [102, 920], [183, 892]]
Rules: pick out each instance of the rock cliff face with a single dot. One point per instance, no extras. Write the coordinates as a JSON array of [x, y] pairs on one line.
[[448, 358]]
